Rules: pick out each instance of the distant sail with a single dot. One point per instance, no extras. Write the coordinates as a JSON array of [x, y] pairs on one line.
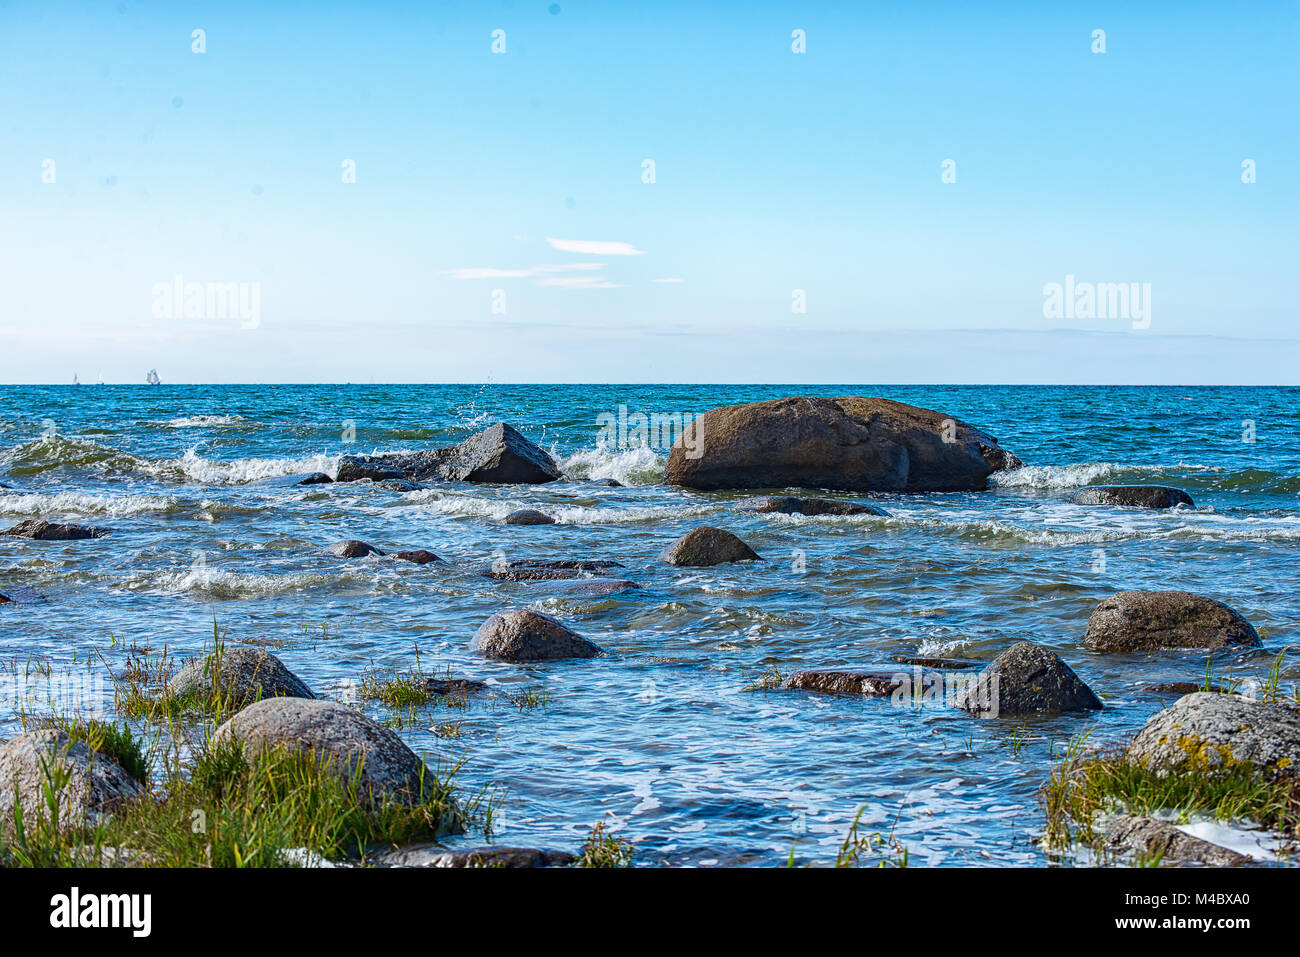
[[152, 377], [75, 380]]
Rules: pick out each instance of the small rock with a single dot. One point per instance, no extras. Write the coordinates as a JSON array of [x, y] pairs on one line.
[[96, 783], [499, 454], [242, 675], [43, 531], [1150, 838], [1208, 729], [529, 516], [1026, 679], [1140, 496], [607, 482], [477, 857], [1170, 689], [419, 556], [398, 485], [843, 682], [316, 478], [526, 635], [790, 505], [533, 570], [353, 549], [708, 546], [5, 600], [343, 736], [1151, 620]]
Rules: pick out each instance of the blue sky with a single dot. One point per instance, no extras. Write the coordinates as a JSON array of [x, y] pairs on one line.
[[517, 178]]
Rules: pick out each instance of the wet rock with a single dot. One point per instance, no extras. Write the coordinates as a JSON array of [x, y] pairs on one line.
[[1140, 496], [708, 546], [417, 556], [96, 782], [843, 682], [598, 587], [4, 600], [43, 531], [1170, 689], [790, 505], [607, 482], [529, 516], [398, 485], [315, 478], [338, 735], [850, 443], [240, 675], [1207, 729], [476, 857], [499, 454], [1151, 620], [1150, 838], [526, 635], [353, 549], [1026, 679]]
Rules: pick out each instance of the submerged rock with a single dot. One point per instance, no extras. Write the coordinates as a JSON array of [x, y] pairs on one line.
[[1170, 689], [353, 549], [843, 682], [524, 570], [529, 516], [498, 454], [454, 687], [1140, 496], [1151, 838], [1026, 679], [1152, 620], [341, 736], [475, 857], [923, 661], [607, 482], [790, 505], [96, 782], [42, 531], [851, 443], [708, 546], [240, 675], [526, 635], [597, 587], [417, 556], [1208, 729], [315, 478]]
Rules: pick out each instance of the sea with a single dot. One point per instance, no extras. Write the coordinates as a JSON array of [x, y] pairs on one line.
[[674, 739]]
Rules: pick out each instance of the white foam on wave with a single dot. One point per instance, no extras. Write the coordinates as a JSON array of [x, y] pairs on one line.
[[1084, 473], [636, 466], [196, 468], [205, 579], [469, 506], [79, 503], [201, 421]]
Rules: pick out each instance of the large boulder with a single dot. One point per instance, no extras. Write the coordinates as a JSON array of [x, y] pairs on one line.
[[498, 455], [1211, 730], [40, 530], [708, 546], [526, 635], [1151, 620], [1138, 496], [338, 735], [1026, 679], [1152, 838], [238, 676], [853, 443], [843, 682], [790, 505], [95, 784]]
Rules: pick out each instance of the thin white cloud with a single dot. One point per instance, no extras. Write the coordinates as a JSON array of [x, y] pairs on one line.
[[488, 272], [595, 247], [580, 282], [668, 279]]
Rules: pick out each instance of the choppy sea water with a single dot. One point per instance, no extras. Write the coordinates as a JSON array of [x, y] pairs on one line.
[[663, 739]]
